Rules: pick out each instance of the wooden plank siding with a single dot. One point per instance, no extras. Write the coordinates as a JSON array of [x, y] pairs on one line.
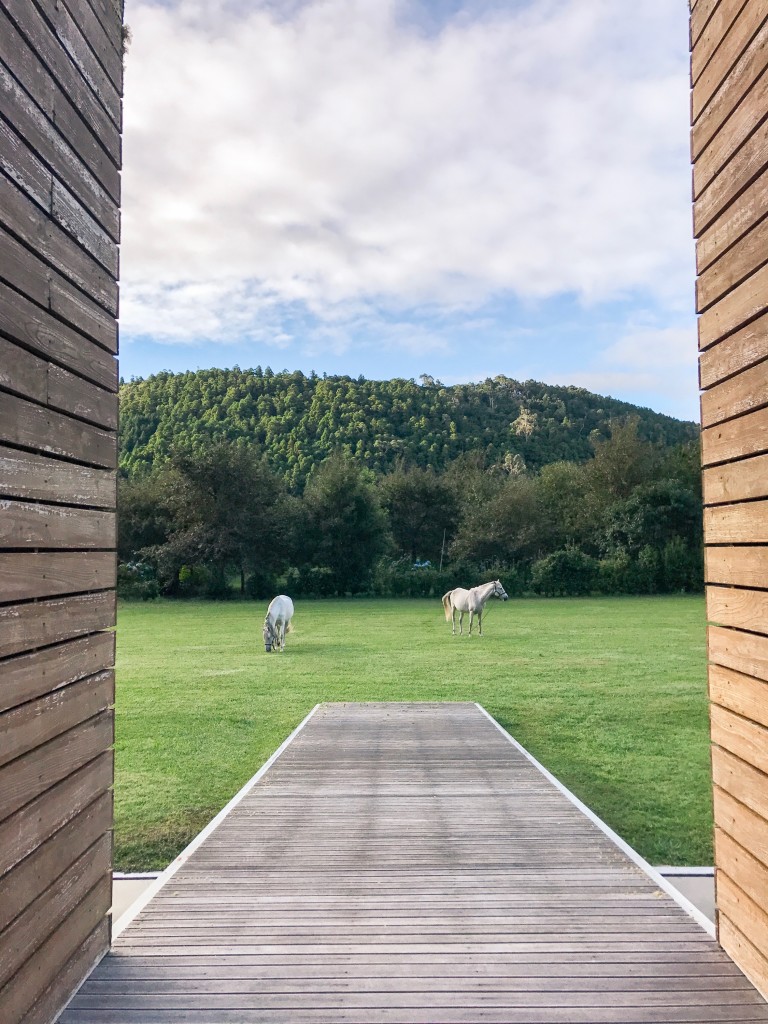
[[408, 863], [60, 160], [729, 146]]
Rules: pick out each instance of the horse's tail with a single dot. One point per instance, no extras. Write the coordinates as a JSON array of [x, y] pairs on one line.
[[289, 627], [447, 605]]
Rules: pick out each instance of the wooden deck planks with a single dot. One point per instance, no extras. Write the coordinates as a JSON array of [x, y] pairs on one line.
[[407, 863]]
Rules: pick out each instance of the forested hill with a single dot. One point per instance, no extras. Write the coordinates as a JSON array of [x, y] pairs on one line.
[[297, 420]]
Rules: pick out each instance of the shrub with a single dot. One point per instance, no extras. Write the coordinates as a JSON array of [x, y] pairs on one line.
[[567, 573], [137, 580]]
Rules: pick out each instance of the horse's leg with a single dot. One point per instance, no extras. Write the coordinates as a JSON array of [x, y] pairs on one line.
[[480, 621], [461, 623], [453, 621], [471, 619]]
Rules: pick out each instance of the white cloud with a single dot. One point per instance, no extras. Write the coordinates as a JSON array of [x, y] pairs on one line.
[[335, 155]]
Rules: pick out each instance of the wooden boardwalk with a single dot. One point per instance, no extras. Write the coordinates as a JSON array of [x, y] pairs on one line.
[[406, 863]]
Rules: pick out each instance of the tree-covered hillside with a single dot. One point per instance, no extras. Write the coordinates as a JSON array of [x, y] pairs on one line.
[[299, 420]]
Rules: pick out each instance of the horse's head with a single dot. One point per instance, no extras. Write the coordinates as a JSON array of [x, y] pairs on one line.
[[268, 633], [499, 591]]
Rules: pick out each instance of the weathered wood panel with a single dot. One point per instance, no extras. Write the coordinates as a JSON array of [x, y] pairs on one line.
[[729, 145], [60, 84]]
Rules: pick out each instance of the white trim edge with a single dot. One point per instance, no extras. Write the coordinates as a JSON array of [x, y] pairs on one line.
[[138, 905], [681, 871], [634, 856]]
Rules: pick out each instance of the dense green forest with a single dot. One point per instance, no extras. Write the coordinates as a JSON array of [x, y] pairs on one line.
[[327, 485], [298, 420]]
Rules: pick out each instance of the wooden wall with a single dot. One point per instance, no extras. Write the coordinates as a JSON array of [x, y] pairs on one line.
[[729, 65], [60, 100]]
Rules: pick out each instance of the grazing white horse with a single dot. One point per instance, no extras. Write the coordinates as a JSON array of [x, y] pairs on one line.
[[278, 622], [472, 601]]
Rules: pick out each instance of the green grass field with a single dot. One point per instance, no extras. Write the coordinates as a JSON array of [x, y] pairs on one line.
[[609, 694]]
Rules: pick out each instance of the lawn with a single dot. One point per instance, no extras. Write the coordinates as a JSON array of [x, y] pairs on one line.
[[609, 694]]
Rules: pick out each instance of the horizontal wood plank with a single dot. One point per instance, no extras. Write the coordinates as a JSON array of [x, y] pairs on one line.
[[742, 652], [732, 135], [37, 426], [44, 43], [740, 781], [24, 779], [102, 41], [52, 907], [745, 302], [742, 170], [81, 939], [741, 694], [24, 832], [746, 871], [743, 393], [39, 478], [26, 677], [744, 523], [24, 525], [25, 728], [736, 820], [701, 12], [751, 960], [23, 218], [735, 439], [33, 574], [36, 873], [30, 137], [736, 481], [743, 738], [738, 567], [743, 258], [738, 352], [24, 627], [52, 294], [709, 40], [736, 905], [739, 62], [733, 223]]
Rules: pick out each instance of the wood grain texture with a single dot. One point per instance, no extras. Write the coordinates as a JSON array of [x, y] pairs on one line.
[[740, 651], [23, 321], [743, 393], [389, 858], [24, 832], [745, 523], [736, 820], [743, 258], [746, 871], [740, 60], [39, 478], [35, 426], [29, 277], [748, 916], [735, 439], [741, 694], [745, 739], [743, 168], [37, 230], [24, 779], [38, 673], [738, 352], [736, 481], [733, 134], [49, 52], [80, 939], [733, 223], [738, 567], [24, 525], [708, 41], [740, 781], [52, 907], [752, 961], [745, 302], [26, 626], [701, 12], [26, 575], [25, 728], [36, 873]]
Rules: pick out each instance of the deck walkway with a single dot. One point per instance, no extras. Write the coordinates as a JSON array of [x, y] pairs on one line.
[[406, 863]]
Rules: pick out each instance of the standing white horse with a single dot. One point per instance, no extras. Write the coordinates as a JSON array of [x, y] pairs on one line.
[[278, 622], [472, 601]]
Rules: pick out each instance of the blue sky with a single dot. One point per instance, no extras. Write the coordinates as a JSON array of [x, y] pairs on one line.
[[452, 187]]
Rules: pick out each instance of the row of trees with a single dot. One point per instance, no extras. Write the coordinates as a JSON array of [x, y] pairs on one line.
[[626, 520]]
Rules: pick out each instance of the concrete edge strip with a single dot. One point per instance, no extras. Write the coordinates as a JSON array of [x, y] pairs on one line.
[[138, 905], [625, 848]]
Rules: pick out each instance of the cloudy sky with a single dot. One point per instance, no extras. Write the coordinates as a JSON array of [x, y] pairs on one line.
[[394, 187]]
